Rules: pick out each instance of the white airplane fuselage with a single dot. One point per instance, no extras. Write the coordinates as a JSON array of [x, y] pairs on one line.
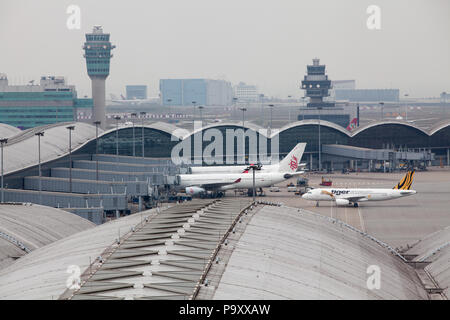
[[331, 194], [261, 179]]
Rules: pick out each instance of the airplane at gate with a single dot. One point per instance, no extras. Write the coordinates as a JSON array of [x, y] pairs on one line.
[[294, 155], [219, 182], [347, 196]]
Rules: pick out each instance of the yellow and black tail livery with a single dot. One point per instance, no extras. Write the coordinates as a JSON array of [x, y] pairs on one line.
[[406, 182]]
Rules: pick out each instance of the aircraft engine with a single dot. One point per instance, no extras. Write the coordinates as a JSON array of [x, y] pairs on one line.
[[194, 190], [342, 202]]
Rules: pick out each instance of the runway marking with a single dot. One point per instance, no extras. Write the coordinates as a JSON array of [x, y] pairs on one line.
[[361, 221]]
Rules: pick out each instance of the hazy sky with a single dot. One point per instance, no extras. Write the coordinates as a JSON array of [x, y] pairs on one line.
[[262, 42]]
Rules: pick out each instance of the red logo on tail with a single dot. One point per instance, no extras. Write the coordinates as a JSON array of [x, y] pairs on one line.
[[294, 163]]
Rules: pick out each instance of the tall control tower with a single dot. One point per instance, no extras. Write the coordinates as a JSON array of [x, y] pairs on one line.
[[97, 51], [317, 84]]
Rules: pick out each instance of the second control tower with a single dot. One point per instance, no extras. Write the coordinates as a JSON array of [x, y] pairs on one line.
[[97, 51]]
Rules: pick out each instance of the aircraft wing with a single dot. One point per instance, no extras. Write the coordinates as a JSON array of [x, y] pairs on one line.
[[349, 198], [214, 186], [356, 199]]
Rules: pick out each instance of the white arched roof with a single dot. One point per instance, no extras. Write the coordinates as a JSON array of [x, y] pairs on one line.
[[7, 131], [247, 125], [439, 126], [21, 151], [378, 123], [323, 123]]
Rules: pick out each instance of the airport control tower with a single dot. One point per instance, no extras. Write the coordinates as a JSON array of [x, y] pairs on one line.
[[97, 51], [316, 84]]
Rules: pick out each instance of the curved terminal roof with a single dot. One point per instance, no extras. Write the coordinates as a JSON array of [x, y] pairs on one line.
[[247, 125], [435, 248], [26, 227], [283, 253], [314, 122], [41, 274], [287, 253], [55, 141], [7, 131], [160, 126], [439, 126], [384, 122], [21, 151]]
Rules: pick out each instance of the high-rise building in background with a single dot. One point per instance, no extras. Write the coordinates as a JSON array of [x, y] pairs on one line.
[[246, 93], [97, 51], [31, 105], [136, 92], [207, 92]]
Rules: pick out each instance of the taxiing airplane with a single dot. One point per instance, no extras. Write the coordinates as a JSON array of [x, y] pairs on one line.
[[294, 154], [219, 182], [343, 196]]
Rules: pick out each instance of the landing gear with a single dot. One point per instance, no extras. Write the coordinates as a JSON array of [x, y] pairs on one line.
[[317, 203], [356, 205]]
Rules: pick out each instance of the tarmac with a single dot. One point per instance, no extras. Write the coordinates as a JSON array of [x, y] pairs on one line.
[[400, 222]]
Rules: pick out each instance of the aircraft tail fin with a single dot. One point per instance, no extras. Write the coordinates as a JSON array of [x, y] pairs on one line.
[[406, 182], [291, 162], [123, 98]]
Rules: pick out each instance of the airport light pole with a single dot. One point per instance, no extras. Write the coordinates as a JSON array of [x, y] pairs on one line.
[[406, 107], [143, 113], [254, 167], [320, 144], [133, 116], [2, 143], [243, 130], [289, 108], [304, 106], [201, 114], [243, 116], [170, 107], [193, 114], [382, 110], [234, 106], [39, 135], [271, 114], [97, 123], [261, 100], [117, 118], [70, 128]]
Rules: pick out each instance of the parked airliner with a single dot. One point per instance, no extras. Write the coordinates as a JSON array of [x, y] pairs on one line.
[[201, 183], [298, 149], [342, 196]]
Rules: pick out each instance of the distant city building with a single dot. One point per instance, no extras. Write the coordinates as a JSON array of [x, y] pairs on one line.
[[207, 92], [246, 93], [316, 84], [368, 95], [28, 106], [343, 84], [445, 97], [136, 92], [97, 52]]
